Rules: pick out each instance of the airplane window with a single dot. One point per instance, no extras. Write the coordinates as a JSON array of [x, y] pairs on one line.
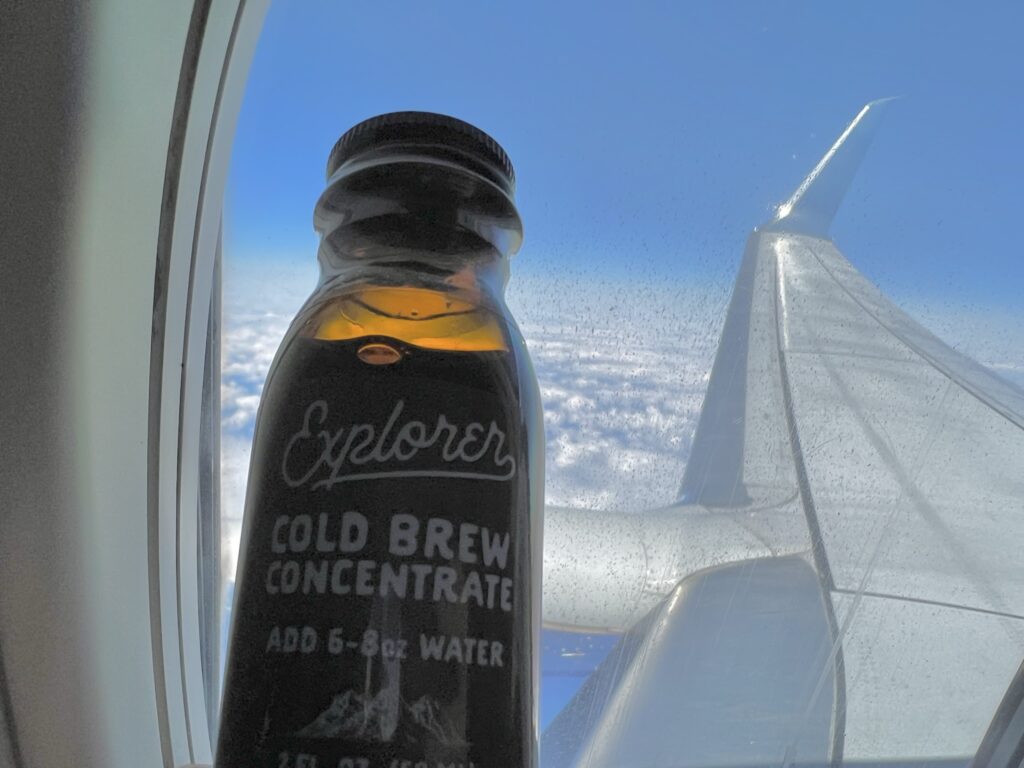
[[783, 473]]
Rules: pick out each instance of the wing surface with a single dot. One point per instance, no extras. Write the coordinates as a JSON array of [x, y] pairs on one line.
[[838, 430]]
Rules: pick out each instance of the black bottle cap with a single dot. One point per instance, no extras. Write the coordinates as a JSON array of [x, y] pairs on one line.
[[472, 146]]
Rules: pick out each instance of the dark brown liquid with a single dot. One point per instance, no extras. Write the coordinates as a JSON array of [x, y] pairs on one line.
[[383, 611]]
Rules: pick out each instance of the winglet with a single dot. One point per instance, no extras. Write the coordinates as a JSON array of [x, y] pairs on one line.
[[812, 207]]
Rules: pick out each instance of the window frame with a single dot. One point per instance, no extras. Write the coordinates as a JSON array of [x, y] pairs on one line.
[[184, 504]]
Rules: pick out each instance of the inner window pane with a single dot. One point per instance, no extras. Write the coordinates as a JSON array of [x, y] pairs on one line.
[[648, 143]]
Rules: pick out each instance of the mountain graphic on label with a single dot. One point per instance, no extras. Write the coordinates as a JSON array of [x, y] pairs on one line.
[[426, 713], [352, 715]]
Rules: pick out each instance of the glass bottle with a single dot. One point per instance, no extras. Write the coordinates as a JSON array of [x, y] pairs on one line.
[[387, 609]]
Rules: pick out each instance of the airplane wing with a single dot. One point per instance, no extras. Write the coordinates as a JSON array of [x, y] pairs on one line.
[[840, 580]]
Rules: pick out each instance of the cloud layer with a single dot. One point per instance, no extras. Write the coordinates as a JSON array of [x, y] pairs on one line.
[[622, 372]]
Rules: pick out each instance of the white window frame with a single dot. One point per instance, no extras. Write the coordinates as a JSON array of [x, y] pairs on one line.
[[184, 512]]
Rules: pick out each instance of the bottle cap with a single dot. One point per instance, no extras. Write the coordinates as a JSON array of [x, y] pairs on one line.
[[464, 143]]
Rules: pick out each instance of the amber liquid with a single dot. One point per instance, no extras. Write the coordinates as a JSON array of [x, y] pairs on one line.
[[420, 317], [397, 646]]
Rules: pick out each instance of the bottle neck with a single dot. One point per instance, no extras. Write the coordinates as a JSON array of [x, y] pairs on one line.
[[385, 215]]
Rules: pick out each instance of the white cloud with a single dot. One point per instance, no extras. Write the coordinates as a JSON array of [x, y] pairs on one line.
[[249, 343], [622, 371], [259, 304]]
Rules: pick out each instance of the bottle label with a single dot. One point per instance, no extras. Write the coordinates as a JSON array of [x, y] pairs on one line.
[[383, 617]]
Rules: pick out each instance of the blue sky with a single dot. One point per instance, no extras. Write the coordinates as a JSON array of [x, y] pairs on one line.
[[650, 137]]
